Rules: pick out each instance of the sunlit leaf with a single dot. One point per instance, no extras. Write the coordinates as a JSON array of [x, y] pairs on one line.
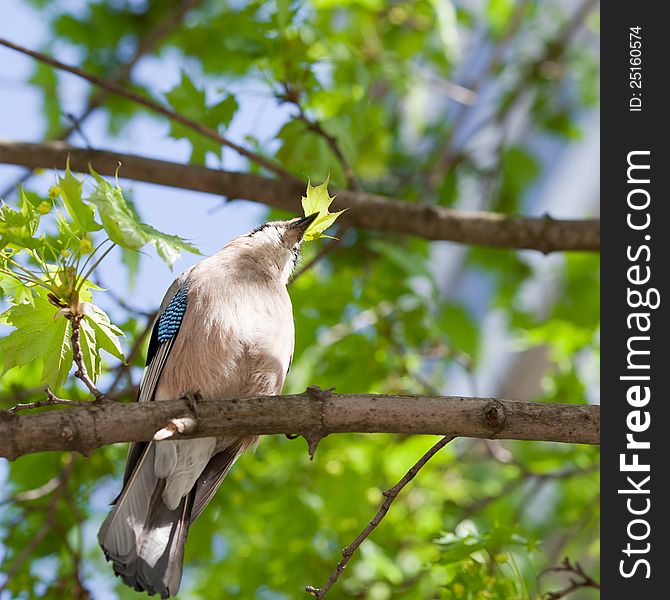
[[70, 191], [125, 229], [318, 201], [37, 337]]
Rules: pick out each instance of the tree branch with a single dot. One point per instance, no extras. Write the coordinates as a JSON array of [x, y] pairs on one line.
[[389, 496], [292, 96], [78, 358], [366, 210], [314, 414], [584, 581], [119, 90], [146, 44], [51, 400]]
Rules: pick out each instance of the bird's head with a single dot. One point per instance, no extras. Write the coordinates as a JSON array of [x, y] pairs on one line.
[[275, 246]]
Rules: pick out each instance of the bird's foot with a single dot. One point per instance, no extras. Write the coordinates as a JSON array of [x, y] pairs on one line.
[[192, 400]]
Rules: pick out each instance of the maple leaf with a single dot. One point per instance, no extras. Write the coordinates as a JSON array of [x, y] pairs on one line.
[[317, 200]]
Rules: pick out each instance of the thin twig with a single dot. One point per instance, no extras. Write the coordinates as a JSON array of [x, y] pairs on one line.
[[76, 126], [80, 590], [389, 496], [78, 357], [119, 90], [121, 302], [449, 155], [147, 43], [292, 96], [51, 400], [585, 581], [554, 51], [332, 142], [537, 479]]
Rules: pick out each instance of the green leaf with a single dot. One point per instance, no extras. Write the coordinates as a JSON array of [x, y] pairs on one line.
[[499, 13], [44, 76], [283, 13], [455, 548], [168, 246], [14, 288], [18, 227], [90, 356], [131, 258], [189, 101], [458, 325], [519, 168], [82, 214], [106, 334], [125, 229], [317, 200], [119, 221], [38, 337]]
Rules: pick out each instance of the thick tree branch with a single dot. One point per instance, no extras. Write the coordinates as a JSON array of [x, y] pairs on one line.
[[366, 210], [313, 414]]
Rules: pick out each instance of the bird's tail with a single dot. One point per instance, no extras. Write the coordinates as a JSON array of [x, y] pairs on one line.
[[145, 540]]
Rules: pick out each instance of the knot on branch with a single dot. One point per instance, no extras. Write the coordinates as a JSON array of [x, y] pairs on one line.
[[68, 433], [494, 416], [316, 592], [314, 436]]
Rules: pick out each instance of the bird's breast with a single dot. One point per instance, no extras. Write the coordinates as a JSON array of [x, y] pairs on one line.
[[237, 342]]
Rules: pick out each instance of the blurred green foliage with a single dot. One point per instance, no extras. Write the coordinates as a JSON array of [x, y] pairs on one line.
[[481, 520]]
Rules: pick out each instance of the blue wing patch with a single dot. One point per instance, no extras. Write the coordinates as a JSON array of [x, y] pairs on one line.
[[170, 320]]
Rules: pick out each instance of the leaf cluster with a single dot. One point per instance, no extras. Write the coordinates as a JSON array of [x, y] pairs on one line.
[[48, 254]]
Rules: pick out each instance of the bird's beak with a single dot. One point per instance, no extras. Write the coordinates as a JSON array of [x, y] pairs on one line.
[[304, 223]]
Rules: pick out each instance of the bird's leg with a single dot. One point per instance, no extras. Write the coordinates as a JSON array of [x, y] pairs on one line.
[[192, 399]]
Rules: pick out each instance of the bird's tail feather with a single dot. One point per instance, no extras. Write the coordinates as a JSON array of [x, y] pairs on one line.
[[145, 540]]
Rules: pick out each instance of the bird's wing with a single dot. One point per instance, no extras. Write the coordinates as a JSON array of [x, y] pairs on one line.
[[163, 334], [214, 473]]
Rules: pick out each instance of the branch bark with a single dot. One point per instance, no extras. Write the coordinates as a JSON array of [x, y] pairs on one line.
[[366, 210], [313, 414]]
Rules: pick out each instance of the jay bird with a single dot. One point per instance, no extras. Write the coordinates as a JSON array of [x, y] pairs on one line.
[[224, 329]]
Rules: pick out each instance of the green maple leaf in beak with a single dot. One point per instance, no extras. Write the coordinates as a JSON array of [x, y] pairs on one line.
[[318, 200]]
